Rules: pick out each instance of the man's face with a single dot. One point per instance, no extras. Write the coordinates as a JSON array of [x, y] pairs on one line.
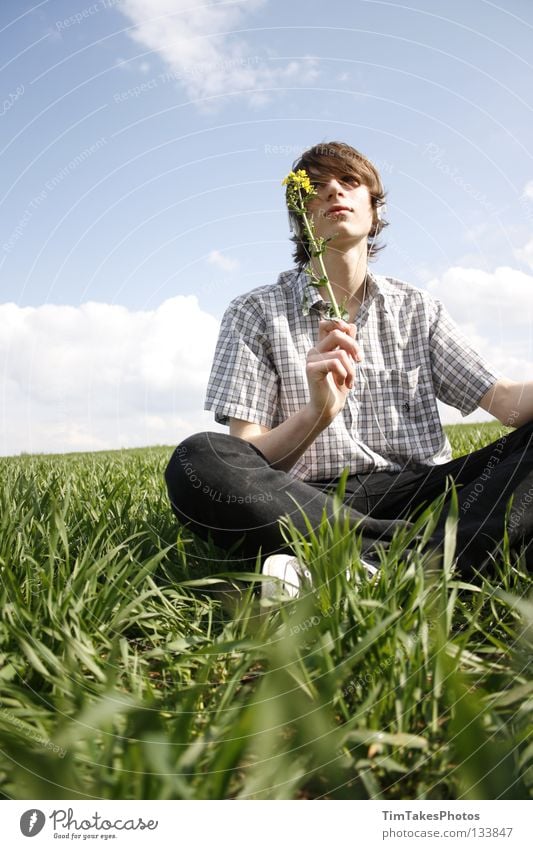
[[342, 208]]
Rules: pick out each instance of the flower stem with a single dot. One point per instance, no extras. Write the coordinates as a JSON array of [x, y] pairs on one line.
[[327, 284]]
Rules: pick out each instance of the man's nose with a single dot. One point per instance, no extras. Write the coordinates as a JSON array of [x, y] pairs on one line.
[[332, 187]]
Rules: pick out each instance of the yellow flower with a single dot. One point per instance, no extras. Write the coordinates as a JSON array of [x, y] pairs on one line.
[[299, 180], [299, 190]]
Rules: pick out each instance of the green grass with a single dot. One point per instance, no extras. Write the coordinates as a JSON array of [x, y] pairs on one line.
[[121, 679]]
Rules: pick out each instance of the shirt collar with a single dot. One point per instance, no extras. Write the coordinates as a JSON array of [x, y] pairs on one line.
[[377, 287]]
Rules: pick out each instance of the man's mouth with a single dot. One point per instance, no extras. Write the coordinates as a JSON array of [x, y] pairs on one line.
[[335, 210]]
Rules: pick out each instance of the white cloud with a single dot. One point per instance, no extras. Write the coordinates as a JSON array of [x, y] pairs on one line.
[[221, 261], [526, 253], [101, 376], [503, 297], [197, 43], [495, 312]]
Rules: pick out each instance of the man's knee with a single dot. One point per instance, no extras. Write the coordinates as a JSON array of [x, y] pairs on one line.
[[199, 460], [185, 468]]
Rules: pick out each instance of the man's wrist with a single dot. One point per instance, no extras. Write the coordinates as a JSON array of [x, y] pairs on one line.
[[316, 420]]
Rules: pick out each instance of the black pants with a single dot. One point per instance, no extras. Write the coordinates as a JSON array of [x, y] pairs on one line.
[[223, 487]]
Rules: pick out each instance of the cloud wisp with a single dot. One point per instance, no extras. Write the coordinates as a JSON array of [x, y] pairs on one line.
[[226, 263], [197, 42]]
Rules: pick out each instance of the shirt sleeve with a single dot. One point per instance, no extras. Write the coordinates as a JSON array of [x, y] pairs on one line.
[[244, 382], [460, 375]]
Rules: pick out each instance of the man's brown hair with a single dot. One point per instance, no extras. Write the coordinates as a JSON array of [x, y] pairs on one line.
[[337, 159]]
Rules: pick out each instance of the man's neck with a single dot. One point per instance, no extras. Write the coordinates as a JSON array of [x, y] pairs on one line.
[[347, 275]]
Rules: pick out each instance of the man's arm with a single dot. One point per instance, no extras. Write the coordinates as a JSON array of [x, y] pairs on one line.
[[284, 444], [330, 371], [510, 402]]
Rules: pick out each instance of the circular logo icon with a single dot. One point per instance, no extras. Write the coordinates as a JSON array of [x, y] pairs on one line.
[[31, 822]]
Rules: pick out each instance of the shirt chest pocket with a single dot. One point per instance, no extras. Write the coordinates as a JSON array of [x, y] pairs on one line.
[[384, 407]]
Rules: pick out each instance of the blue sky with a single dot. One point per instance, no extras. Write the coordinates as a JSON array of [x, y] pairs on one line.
[[143, 145]]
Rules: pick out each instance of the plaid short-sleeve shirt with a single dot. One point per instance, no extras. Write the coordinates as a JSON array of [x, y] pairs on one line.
[[413, 354]]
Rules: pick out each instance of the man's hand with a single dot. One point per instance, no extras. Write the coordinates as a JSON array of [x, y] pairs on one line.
[[330, 368]]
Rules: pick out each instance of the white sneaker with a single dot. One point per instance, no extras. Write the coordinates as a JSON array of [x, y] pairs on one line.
[[371, 566], [288, 574]]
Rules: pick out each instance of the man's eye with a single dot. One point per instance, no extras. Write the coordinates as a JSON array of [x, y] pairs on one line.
[[346, 179]]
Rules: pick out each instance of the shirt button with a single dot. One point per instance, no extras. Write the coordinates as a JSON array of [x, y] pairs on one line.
[[405, 406]]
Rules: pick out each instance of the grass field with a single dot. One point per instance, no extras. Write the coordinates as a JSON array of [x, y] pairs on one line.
[[121, 680]]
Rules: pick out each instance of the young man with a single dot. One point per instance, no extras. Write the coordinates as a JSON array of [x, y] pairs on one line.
[[306, 397]]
